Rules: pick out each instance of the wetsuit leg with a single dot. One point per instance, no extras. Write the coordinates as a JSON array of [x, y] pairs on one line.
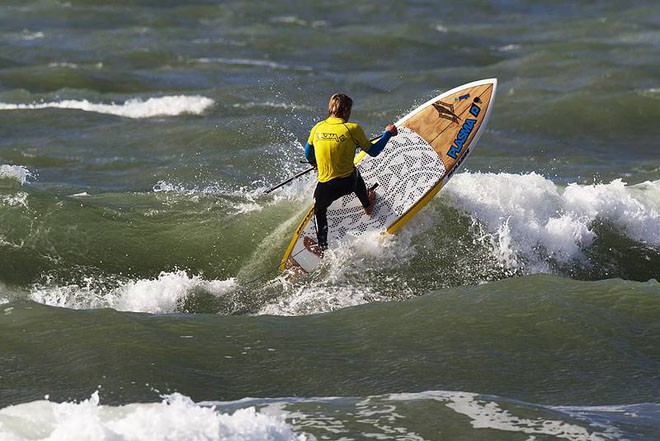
[[360, 189], [321, 214], [321, 203], [325, 194]]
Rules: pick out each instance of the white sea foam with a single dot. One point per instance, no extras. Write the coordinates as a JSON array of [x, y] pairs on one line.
[[485, 414], [254, 63], [653, 92], [177, 417], [18, 173], [509, 48], [528, 219], [31, 36], [164, 294], [134, 108], [15, 200], [294, 20]]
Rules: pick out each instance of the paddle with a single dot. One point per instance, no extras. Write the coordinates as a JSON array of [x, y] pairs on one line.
[[304, 172], [283, 183]]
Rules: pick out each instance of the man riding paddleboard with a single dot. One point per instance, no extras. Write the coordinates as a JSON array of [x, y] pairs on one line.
[[331, 149]]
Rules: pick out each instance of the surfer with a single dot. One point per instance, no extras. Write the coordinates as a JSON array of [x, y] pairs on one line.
[[331, 149]]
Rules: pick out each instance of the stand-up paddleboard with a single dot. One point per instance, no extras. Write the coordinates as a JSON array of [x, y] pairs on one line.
[[433, 141]]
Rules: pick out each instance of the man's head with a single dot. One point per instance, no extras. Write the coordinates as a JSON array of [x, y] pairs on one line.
[[340, 106]]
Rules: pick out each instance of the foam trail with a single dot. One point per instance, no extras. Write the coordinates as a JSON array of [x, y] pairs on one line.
[[134, 108], [528, 219], [176, 417]]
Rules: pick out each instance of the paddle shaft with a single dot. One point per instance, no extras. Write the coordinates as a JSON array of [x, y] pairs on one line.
[[304, 172], [283, 183]]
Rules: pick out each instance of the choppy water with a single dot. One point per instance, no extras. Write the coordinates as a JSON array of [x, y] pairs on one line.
[[138, 253]]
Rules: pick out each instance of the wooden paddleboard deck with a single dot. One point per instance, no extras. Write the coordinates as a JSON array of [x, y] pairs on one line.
[[433, 141]]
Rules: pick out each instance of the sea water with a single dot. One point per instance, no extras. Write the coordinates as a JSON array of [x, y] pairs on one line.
[[139, 292]]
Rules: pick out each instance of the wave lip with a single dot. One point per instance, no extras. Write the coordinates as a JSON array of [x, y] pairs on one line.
[[134, 108]]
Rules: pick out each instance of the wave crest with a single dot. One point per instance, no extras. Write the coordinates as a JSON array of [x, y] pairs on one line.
[[134, 108], [529, 221]]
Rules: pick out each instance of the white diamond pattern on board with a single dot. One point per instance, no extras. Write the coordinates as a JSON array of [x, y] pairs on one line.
[[405, 171]]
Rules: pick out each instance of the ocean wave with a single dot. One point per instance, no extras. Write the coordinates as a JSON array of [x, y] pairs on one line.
[[528, 220], [456, 414], [134, 108], [490, 227], [564, 328], [176, 417], [165, 294]]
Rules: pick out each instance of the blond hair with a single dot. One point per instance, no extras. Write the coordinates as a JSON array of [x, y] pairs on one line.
[[340, 105]]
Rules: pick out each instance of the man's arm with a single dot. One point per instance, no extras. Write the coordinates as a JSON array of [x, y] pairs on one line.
[[379, 145], [309, 153]]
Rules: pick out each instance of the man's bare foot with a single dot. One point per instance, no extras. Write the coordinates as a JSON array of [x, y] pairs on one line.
[[312, 246], [372, 199]]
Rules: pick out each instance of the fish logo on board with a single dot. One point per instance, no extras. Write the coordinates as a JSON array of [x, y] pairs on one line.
[[446, 111]]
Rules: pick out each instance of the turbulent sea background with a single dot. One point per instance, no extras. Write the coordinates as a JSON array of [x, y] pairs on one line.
[[139, 292]]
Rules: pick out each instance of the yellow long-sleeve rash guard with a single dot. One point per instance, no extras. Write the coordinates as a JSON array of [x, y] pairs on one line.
[[335, 141]]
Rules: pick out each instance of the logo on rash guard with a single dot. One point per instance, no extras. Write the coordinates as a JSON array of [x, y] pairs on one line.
[[331, 137]]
